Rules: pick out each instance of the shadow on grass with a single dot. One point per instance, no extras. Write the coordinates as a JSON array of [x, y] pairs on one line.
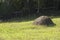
[[55, 17], [51, 25], [24, 19]]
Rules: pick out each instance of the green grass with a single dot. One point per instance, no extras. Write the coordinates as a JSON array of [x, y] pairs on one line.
[[25, 30]]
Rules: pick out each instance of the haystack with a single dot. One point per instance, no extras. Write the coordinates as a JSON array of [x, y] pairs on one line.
[[43, 20]]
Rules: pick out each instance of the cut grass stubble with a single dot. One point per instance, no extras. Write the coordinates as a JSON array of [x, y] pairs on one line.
[[28, 31]]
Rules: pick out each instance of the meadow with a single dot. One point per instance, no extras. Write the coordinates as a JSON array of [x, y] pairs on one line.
[[25, 30]]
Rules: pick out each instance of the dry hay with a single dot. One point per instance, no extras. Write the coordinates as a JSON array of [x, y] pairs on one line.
[[43, 20]]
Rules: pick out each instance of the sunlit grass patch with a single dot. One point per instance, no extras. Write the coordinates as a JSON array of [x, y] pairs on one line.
[[25, 30]]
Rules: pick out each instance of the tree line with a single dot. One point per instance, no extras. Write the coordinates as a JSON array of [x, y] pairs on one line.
[[19, 8]]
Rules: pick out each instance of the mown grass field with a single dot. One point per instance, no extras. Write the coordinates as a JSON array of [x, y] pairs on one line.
[[26, 31]]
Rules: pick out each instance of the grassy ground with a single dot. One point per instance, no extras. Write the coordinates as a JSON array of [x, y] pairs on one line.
[[26, 31]]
